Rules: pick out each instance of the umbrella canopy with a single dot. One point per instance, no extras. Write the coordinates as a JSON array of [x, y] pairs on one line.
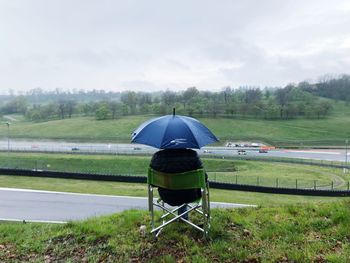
[[173, 132]]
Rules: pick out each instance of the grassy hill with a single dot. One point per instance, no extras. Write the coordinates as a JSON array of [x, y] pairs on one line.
[[294, 233], [332, 130]]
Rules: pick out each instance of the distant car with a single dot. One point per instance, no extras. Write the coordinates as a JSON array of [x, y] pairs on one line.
[[242, 152], [263, 151], [75, 149]]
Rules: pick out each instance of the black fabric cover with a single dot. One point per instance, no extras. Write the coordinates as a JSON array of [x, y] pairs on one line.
[[177, 161]]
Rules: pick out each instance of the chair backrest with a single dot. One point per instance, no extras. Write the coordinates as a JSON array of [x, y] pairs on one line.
[[175, 181]]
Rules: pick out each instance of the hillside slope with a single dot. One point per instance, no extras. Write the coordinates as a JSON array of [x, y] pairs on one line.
[[332, 130], [300, 233]]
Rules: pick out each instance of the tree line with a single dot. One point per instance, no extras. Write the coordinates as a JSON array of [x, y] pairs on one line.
[[289, 102], [337, 88]]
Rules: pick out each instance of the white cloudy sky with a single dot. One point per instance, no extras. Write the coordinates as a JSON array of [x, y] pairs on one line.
[[160, 44]]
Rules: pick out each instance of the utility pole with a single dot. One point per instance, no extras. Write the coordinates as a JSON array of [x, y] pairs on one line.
[[8, 137], [346, 153]]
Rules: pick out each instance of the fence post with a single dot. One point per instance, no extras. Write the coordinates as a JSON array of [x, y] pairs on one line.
[[314, 184], [276, 182], [296, 183], [332, 185], [236, 179], [257, 180], [348, 185]]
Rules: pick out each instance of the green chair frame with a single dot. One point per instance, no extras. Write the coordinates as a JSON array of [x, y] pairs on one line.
[[176, 181]]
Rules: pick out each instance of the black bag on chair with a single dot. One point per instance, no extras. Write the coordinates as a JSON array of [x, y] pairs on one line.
[[177, 161]]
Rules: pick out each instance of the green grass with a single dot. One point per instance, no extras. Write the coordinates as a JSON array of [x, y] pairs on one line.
[[109, 164], [293, 233], [79, 128], [283, 175], [332, 130], [218, 170], [221, 170]]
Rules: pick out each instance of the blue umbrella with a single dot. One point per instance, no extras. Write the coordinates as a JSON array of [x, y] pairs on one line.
[[173, 132]]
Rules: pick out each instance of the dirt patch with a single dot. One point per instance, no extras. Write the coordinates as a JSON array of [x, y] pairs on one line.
[[9, 253]]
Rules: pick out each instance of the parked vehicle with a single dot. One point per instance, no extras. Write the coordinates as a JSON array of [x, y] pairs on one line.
[[263, 150], [242, 152]]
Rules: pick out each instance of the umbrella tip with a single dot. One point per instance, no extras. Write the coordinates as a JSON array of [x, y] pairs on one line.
[[173, 111]]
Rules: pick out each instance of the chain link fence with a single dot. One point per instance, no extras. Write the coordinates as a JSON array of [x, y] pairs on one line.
[[94, 167]]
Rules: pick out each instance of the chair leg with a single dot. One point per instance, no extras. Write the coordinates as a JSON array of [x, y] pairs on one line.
[[206, 211], [176, 217], [204, 205], [173, 211], [208, 202], [150, 204]]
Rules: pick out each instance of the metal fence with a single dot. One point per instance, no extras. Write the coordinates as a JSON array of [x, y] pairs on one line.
[[143, 179], [323, 163], [42, 167], [281, 182], [222, 176]]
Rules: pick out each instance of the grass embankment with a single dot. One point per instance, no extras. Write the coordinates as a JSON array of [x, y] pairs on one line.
[[296, 233], [218, 169], [329, 131]]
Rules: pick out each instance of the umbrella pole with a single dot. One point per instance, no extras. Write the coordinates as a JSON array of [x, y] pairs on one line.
[[173, 111]]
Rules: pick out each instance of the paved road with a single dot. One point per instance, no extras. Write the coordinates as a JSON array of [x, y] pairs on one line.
[[47, 206], [59, 146], [337, 155]]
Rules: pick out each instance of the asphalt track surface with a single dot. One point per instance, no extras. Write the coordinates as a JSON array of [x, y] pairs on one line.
[[109, 148], [60, 207]]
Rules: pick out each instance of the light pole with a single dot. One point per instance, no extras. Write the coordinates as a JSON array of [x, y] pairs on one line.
[[346, 152], [8, 137]]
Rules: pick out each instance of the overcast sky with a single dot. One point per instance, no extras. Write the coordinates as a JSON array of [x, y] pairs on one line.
[[157, 45]]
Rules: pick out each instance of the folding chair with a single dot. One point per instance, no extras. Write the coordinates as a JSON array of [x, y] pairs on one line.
[[195, 179]]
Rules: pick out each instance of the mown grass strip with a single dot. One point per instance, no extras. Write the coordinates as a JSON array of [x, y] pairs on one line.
[[220, 170]]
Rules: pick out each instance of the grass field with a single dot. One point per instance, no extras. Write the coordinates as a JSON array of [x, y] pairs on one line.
[[294, 233], [218, 169], [221, 170], [330, 131]]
